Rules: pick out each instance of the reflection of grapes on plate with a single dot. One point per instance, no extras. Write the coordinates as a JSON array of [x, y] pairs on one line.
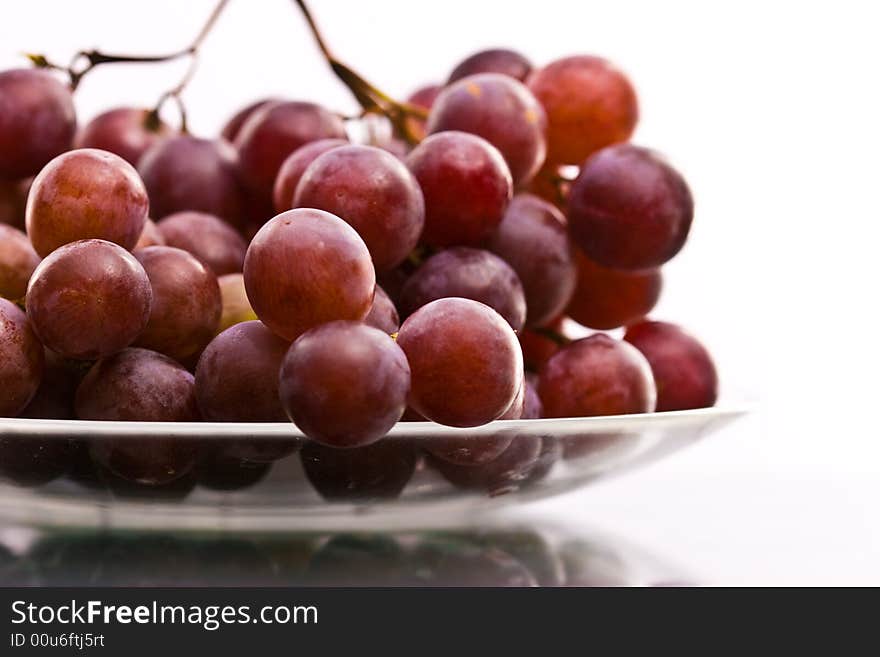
[[253, 313]]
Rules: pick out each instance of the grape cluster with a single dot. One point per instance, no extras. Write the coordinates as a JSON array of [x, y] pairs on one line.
[[280, 271]]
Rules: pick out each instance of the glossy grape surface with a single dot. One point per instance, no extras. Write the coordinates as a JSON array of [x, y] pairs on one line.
[[683, 369], [629, 209], [597, 375], [17, 262], [383, 315], [186, 304], [294, 166], [188, 173], [86, 194], [37, 121], [126, 131], [465, 360], [502, 111], [496, 60], [471, 274], [466, 185], [89, 299], [344, 384], [236, 307], [306, 267], [373, 192], [208, 238], [533, 240], [589, 105], [21, 360], [236, 121]]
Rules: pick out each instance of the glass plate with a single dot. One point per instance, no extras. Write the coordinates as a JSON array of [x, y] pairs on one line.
[[48, 477]]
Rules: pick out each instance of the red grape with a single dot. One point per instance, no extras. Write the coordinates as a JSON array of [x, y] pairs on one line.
[[532, 407], [233, 125], [607, 298], [497, 60], [306, 267], [294, 166], [275, 131], [552, 185], [538, 348], [126, 131], [150, 236], [208, 238], [629, 209], [21, 360], [466, 363], [237, 375], [137, 385], [86, 194], [17, 262], [186, 303], [187, 173], [89, 299], [533, 239], [378, 471], [505, 473], [683, 369], [344, 384], [151, 461], [470, 274], [13, 200], [466, 185], [373, 192], [54, 397], [589, 105], [236, 307], [423, 97], [502, 111], [37, 121], [383, 315], [597, 375]]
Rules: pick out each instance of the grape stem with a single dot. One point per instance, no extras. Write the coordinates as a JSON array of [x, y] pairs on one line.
[[370, 98], [85, 61]]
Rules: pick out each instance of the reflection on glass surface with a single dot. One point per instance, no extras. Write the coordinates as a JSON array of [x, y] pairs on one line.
[[495, 557]]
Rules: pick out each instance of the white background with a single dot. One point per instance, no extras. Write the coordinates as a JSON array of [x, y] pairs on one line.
[[769, 108]]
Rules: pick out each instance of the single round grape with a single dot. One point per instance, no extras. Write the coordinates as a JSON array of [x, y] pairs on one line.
[[496, 60], [374, 193], [294, 166], [537, 347], [505, 473], [344, 384], [237, 375], [21, 360], [186, 302], [306, 267], [533, 239], [89, 299], [502, 111], [589, 104], [86, 194], [54, 398], [629, 209], [17, 262], [470, 274], [137, 385], [423, 97], [683, 369], [187, 173], [150, 236], [13, 200], [37, 121], [236, 307], [275, 131], [597, 375], [466, 185], [378, 471], [233, 125], [608, 298], [466, 363], [126, 131], [208, 238], [383, 315]]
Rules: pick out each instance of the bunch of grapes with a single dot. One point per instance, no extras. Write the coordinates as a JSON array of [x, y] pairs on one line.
[[280, 271]]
